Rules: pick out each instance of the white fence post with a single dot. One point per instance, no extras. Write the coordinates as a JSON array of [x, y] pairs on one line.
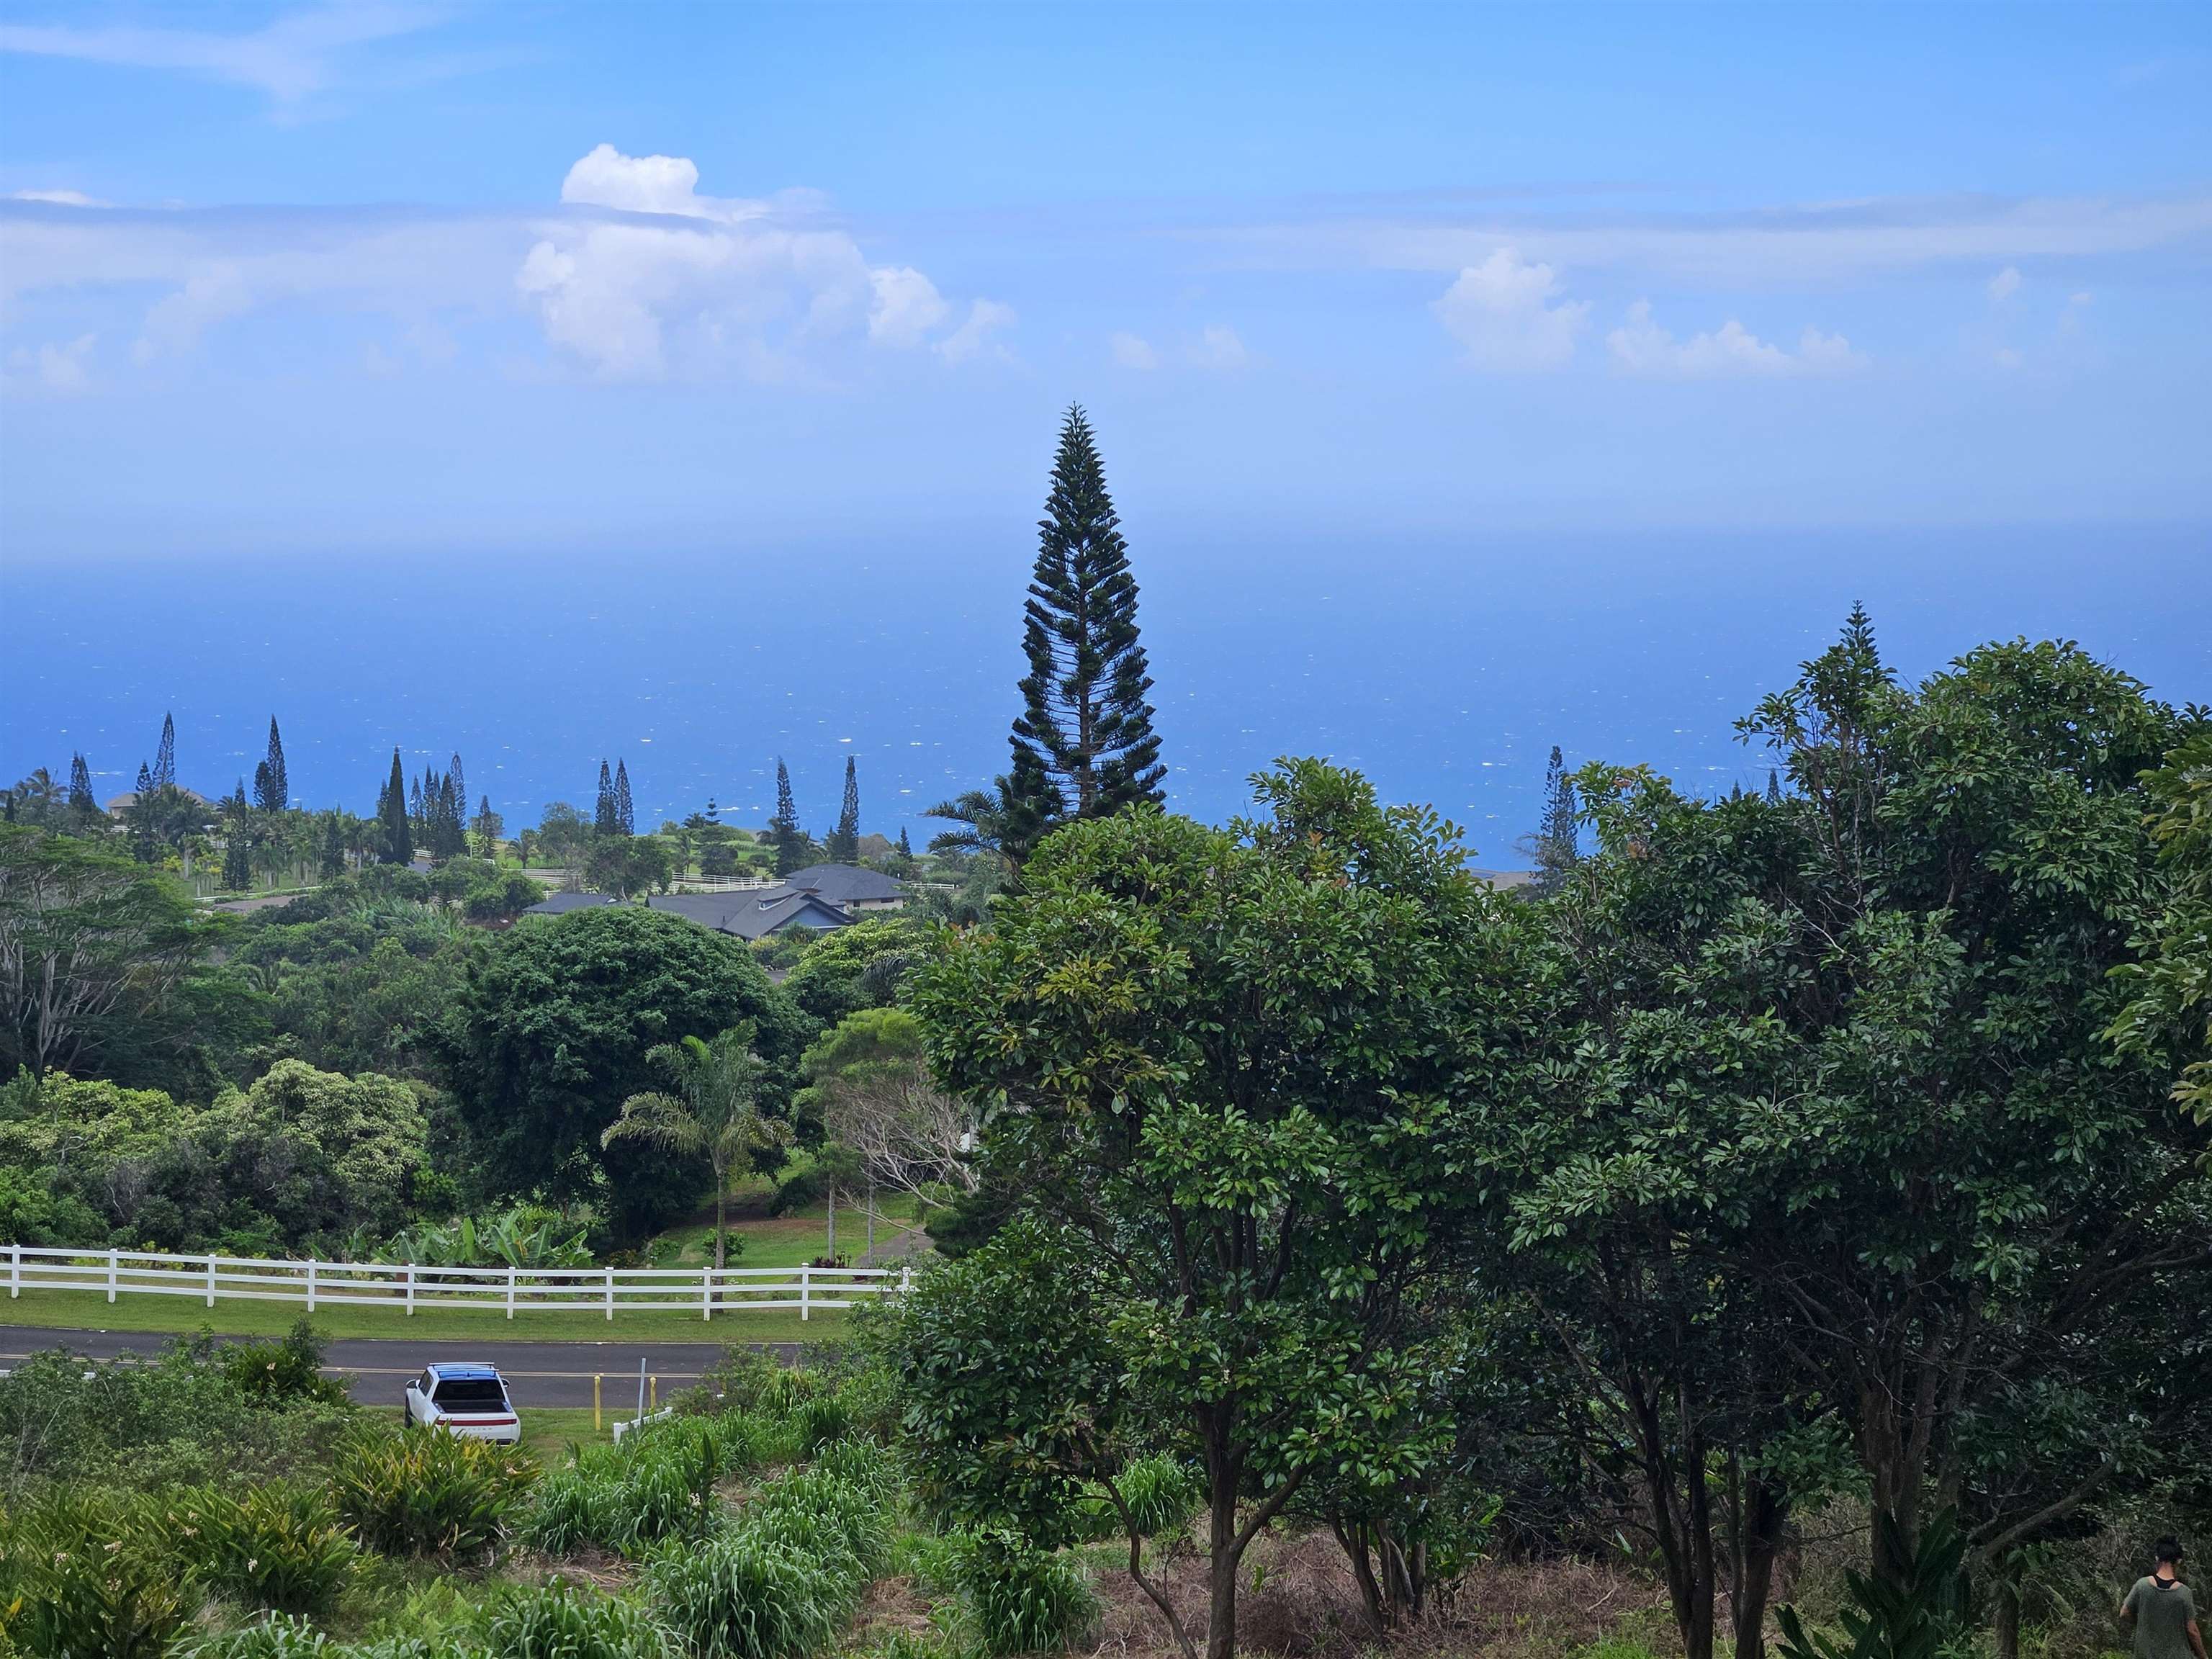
[[410, 1290], [706, 1293], [806, 1281], [611, 1299], [510, 1292], [906, 1280], [111, 1275], [311, 1285], [15, 1271], [210, 1299]]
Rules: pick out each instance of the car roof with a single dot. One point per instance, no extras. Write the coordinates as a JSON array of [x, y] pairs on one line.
[[450, 1372]]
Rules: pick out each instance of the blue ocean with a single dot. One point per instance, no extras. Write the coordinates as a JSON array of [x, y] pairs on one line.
[[1444, 667]]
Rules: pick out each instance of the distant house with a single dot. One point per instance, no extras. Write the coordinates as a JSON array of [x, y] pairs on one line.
[[819, 898], [754, 914], [129, 799], [849, 887]]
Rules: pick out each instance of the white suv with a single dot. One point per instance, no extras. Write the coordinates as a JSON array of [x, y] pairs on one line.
[[471, 1401]]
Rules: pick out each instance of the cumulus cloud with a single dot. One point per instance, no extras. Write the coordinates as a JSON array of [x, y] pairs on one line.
[[59, 198], [61, 368], [661, 278], [973, 337], [907, 308], [2004, 284], [1134, 351], [1218, 347], [1640, 346], [1509, 316]]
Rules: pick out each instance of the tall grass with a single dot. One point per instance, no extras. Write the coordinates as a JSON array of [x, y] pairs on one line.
[[278, 1545], [657, 1484], [430, 1494], [1021, 1597], [96, 1574]]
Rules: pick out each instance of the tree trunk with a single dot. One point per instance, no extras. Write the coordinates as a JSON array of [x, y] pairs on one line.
[[2007, 1591], [721, 1212], [1759, 1524], [1221, 1576]]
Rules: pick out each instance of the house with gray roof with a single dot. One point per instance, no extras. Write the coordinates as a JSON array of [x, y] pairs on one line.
[[819, 899]]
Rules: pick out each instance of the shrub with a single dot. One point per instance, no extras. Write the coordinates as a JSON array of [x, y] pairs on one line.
[[555, 1621], [95, 1574], [430, 1494], [276, 1546], [175, 1420], [1160, 1494], [279, 1636], [275, 1373], [743, 1597], [1022, 1598], [657, 1484]]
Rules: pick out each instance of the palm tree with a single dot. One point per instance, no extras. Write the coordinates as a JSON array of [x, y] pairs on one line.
[[714, 1110], [980, 815]]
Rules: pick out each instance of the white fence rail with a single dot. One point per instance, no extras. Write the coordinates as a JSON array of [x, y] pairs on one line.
[[412, 1287]]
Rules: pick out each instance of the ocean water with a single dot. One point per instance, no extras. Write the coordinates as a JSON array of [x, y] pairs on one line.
[[1445, 666]]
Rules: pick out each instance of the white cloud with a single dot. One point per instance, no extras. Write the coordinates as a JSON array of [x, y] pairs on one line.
[[58, 369], [2004, 284], [635, 275], [291, 59], [1134, 351], [1218, 347], [59, 198], [1501, 311], [985, 318], [685, 281], [1840, 244], [1640, 346], [907, 306]]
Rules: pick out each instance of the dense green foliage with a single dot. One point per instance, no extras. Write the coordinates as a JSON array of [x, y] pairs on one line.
[[1784, 1152], [552, 1034]]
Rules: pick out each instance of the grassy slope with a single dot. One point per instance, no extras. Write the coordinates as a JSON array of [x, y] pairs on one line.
[[90, 1310]]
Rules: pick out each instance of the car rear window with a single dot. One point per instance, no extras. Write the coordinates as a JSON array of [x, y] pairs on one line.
[[464, 1393]]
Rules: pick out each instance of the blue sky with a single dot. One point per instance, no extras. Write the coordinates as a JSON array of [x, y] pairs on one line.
[[306, 281]]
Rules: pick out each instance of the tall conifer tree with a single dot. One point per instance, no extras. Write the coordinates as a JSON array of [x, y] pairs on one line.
[[488, 829], [625, 809], [272, 785], [461, 790], [391, 814], [79, 788], [603, 810], [165, 757], [783, 830], [1556, 846], [906, 847], [844, 846], [237, 842], [1084, 745], [144, 787], [334, 851]]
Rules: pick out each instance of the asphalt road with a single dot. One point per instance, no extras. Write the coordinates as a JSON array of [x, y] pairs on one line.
[[375, 1369]]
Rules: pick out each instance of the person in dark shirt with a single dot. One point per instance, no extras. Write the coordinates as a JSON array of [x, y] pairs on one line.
[[2161, 1611]]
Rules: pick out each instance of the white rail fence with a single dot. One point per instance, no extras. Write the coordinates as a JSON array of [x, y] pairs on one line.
[[410, 1286]]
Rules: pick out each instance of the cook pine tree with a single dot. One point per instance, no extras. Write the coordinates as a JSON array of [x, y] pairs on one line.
[[625, 810], [1555, 846], [603, 810], [1084, 745], [783, 831], [397, 835], [844, 845], [272, 785]]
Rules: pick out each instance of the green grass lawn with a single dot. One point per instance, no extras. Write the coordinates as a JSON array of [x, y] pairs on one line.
[[782, 1241], [90, 1310]]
